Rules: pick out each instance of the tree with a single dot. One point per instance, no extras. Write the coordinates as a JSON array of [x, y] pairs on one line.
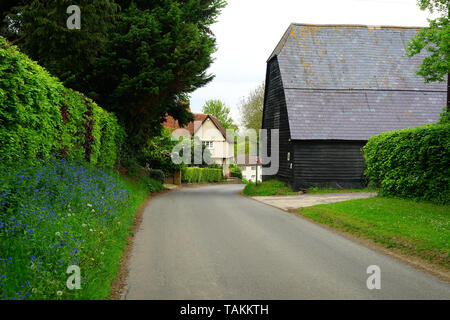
[[138, 58], [436, 40], [219, 110], [251, 108], [39, 28]]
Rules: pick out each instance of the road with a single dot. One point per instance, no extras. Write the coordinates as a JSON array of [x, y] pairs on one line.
[[212, 243]]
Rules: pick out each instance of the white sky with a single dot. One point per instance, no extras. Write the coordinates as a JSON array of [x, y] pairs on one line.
[[249, 30]]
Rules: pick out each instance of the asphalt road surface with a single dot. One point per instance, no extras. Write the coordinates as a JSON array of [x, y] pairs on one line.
[[212, 243]]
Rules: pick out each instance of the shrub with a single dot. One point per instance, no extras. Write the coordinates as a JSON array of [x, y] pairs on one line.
[[411, 163], [40, 119], [236, 172], [157, 175], [153, 185], [196, 175]]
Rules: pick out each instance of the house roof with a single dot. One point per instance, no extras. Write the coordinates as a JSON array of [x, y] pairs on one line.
[[193, 126], [351, 82], [247, 160]]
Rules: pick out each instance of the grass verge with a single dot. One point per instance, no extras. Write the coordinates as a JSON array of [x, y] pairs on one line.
[[267, 188], [416, 228], [316, 190], [60, 214]]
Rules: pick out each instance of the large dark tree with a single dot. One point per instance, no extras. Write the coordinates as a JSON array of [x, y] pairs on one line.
[[139, 58], [40, 29]]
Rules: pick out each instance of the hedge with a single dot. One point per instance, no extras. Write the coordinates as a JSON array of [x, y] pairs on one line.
[[195, 175], [40, 118], [236, 172], [411, 163]]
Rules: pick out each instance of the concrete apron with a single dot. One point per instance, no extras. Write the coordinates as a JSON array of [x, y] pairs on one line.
[[290, 203]]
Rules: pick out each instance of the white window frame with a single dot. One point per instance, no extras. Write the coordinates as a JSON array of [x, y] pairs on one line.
[[209, 144]]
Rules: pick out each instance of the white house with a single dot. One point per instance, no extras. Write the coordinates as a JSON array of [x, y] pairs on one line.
[[210, 131], [251, 167]]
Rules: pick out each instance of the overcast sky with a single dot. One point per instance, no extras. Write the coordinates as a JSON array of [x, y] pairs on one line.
[[249, 30]]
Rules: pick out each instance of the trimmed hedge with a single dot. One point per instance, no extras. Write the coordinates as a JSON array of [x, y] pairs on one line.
[[41, 119], [411, 163], [196, 175]]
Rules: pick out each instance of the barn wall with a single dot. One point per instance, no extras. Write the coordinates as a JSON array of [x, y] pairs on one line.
[[275, 117], [328, 163]]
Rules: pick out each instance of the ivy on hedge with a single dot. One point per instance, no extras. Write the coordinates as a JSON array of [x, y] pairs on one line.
[[411, 163], [196, 175], [40, 118]]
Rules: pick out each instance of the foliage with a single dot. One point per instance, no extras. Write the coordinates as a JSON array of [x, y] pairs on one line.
[[411, 163], [219, 110], [197, 175], [152, 184], [236, 171], [157, 175], [445, 117], [158, 153], [435, 39], [41, 119], [268, 188], [59, 213], [317, 190], [251, 108], [416, 228], [39, 28], [140, 62]]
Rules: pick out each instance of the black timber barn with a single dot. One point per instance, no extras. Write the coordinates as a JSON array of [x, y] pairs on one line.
[[329, 88]]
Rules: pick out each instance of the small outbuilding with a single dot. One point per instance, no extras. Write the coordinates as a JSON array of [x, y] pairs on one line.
[[329, 88], [251, 167]]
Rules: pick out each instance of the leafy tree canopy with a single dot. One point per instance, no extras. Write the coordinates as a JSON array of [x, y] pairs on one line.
[[436, 40], [219, 110], [251, 108]]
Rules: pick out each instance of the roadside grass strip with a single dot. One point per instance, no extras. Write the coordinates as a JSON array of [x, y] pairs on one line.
[[267, 188]]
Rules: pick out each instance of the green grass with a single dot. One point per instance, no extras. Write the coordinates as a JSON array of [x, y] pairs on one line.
[[62, 213], [268, 188], [417, 228], [316, 190]]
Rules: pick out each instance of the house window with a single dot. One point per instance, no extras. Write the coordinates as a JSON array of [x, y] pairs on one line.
[[209, 144], [253, 168]]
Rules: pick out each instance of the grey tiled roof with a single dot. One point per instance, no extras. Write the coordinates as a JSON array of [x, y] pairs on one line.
[[352, 82]]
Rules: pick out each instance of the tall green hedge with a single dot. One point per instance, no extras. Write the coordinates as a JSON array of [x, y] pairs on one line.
[[40, 118], [411, 163], [195, 175]]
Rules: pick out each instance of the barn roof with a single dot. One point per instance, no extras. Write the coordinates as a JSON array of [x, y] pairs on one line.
[[351, 82]]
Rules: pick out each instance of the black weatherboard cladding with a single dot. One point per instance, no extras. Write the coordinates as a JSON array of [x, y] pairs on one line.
[[275, 117]]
